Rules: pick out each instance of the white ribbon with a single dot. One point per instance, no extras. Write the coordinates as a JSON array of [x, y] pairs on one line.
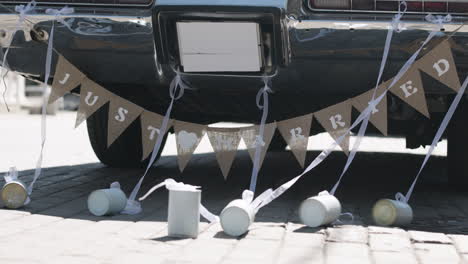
[[22, 12], [255, 205], [58, 13], [440, 132], [364, 115], [403, 70], [10, 176], [172, 185], [46, 94], [439, 20], [259, 143], [395, 26], [133, 206]]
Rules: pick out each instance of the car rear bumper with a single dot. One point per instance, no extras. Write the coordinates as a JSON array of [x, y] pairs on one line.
[[324, 58]]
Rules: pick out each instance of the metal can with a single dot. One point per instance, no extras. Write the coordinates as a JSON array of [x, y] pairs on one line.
[[14, 194]]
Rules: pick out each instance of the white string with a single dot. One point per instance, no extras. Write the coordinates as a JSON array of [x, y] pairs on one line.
[[440, 132], [364, 114], [133, 206], [22, 11], [394, 27], [259, 141], [46, 93], [171, 184]]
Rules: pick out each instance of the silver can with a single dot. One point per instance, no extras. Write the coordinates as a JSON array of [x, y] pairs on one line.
[[14, 194]]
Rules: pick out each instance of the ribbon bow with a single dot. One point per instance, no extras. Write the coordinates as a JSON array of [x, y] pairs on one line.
[[172, 185], [58, 13], [23, 10], [396, 21], [439, 19], [177, 82]]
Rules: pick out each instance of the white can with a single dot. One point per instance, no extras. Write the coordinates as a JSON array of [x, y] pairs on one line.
[[387, 212], [236, 217], [320, 210], [184, 213], [14, 194], [107, 201]]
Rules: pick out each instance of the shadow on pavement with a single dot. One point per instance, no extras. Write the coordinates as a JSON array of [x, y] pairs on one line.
[[62, 191]]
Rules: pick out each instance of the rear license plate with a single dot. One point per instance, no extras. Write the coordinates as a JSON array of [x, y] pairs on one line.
[[219, 46]]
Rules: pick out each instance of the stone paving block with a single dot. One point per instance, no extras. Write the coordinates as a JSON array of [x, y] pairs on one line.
[[429, 237], [346, 253], [385, 230], [436, 253], [385, 257], [266, 231], [290, 254], [304, 239], [351, 234], [389, 242], [460, 242]]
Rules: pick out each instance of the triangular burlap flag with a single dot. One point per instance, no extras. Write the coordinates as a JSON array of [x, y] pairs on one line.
[[188, 136], [295, 132], [250, 135], [225, 142], [439, 64], [150, 129], [66, 78], [378, 116], [92, 97], [121, 114], [336, 120], [410, 89]]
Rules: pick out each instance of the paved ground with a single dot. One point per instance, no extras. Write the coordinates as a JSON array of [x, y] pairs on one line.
[[57, 228]]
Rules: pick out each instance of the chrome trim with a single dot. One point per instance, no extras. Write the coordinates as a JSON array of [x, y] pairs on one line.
[[371, 25], [93, 20], [79, 4]]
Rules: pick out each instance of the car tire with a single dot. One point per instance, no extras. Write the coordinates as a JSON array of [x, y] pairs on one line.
[[457, 148], [126, 151]]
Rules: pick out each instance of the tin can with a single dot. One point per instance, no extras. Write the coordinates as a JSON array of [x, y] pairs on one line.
[[236, 217], [107, 201], [14, 194], [387, 212], [319, 210], [183, 213]]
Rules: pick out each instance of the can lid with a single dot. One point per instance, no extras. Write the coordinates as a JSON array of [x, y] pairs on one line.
[[312, 213], [384, 212], [98, 203], [14, 195], [235, 221]]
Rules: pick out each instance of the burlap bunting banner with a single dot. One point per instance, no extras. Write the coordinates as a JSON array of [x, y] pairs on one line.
[[150, 129], [379, 115], [92, 97], [188, 136], [121, 114], [66, 78], [410, 89], [225, 142], [250, 135], [439, 64], [336, 120], [295, 132]]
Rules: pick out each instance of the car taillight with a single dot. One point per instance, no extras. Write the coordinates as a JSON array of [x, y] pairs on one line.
[[453, 6]]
